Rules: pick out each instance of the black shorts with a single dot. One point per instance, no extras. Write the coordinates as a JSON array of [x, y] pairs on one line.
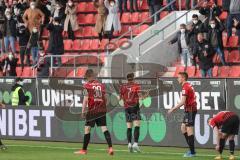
[[189, 118], [132, 113], [99, 120], [231, 126]]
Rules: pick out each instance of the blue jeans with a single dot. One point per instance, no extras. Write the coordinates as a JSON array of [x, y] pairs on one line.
[[34, 51], [206, 73], [220, 52], [230, 24], [185, 58], [172, 6], [9, 40]]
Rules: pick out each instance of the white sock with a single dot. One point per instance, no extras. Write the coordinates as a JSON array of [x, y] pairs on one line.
[[135, 144]]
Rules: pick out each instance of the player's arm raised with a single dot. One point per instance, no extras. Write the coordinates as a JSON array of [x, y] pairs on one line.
[[180, 104]]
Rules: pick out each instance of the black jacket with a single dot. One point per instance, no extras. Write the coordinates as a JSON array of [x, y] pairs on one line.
[[13, 27], [205, 62], [197, 28], [177, 39], [24, 36], [56, 46], [22, 98], [218, 29], [155, 2], [215, 11], [34, 38], [226, 5], [13, 66]]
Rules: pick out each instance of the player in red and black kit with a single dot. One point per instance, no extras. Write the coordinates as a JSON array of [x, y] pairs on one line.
[[2, 146], [94, 110], [130, 93], [225, 126], [190, 107]]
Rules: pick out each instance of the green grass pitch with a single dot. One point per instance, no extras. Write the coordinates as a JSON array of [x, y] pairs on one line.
[[35, 150]]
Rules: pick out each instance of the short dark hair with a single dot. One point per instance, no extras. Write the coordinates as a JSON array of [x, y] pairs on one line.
[[18, 79], [89, 73], [183, 25], [184, 74], [130, 76], [195, 16]]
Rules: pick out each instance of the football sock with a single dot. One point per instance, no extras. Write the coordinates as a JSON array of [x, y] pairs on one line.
[[222, 144], [0, 142], [232, 146], [136, 134], [186, 137], [86, 141], [129, 135], [191, 144], [108, 138]]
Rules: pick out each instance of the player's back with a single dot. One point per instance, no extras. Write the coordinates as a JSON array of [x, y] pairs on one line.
[[96, 96], [189, 92], [129, 93]]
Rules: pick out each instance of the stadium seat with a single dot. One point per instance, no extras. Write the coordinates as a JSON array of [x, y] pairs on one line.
[[60, 72], [144, 5], [224, 38], [78, 33], [143, 27], [163, 14], [45, 33], [67, 44], [135, 17], [223, 71], [192, 71], [233, 41], [125, 29], [93, 60], [90, 7], [81, 6], [86, 44], [77, 44], [215, 71], [234, 71], [27, 72], [90, 19], [234, 57], [19, 71], [125, 18], [95, 44], [178, 69], [82, 60], [81, 19], [103, 44], [87, 31], [145, 17], [135, 30], [81, 72], [223, 16]]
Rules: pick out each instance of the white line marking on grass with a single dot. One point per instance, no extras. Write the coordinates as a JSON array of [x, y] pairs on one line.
[[116, 150]]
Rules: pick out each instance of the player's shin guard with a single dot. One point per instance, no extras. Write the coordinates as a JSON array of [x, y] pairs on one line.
[[86, 141], [136, 134], [191, 144], [232, 146], [186, 137], [222, 144], [108, 138], [129, 135]]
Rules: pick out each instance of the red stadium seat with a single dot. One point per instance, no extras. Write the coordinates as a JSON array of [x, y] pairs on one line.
[[78, 33], [95, 44], [27, 72], [144, 5], [93, 60], [81, 19], [143, 27], [81, 72], [163, 14], [224, 38], [125, 29], [125, 18], [90, 19], [215, 71], [178, 69], [60, 72], [233, 41], [86, 44], [223, 16], [234, 71], [135, 30], [135, 17], [90, 7], [145, 17], [224, 71], [82, 60], [67, 44], [19, 71], [234, 57], [192, 70], [103, 44], [87, 31], [81, 6], [45, 33], [77, 44]]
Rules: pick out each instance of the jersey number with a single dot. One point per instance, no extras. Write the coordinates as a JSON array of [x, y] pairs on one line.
[[97, 91]]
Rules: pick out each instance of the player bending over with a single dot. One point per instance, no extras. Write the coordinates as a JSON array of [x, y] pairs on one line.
[[94, 110], [2, 146], [130, 94], [188, 100], [225, 126]]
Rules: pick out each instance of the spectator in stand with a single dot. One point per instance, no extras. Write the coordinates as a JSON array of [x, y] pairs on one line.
[[226, 5], [101, 18], [33, 17], [10, 65], [59, 12], [23, 35], [2, 22], [10, 27], [172, 6], [182, 38], [236, 24], [122, 6], [204, 52], [234, 13], [2, 6], [56, 46], [154, 6], [71, 23], [33, 44], [214, 37], [43, 64], [190, 4], [210, 12], [113, 22]]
